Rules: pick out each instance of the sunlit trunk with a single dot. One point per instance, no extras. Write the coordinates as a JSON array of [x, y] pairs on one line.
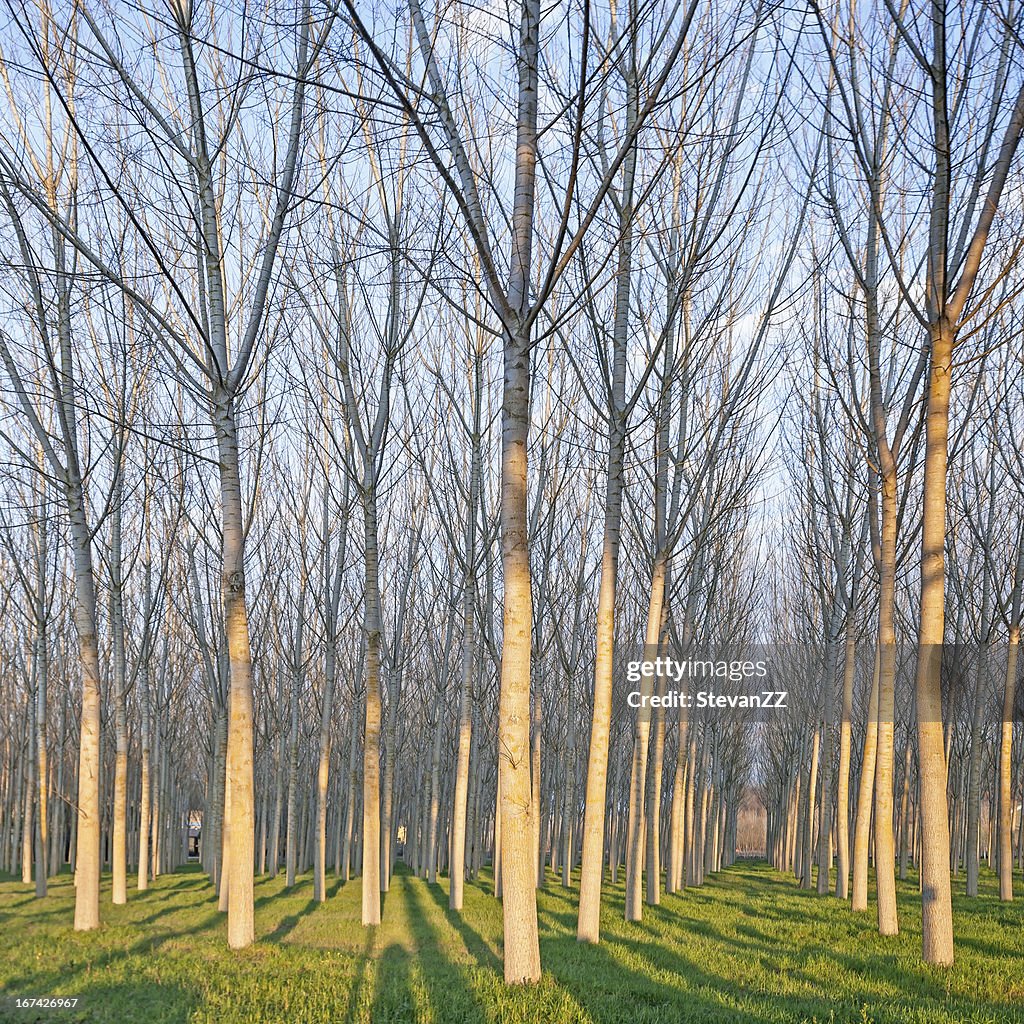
[[1006, 766], [862, 825], [144, 781], [807, 840], [588, 927], [119, 851], [638, 772], [843, 781], [42, 773], [240, 823], [518, 854], [936, 898], [322, 774], [87, 847], [370, 836], [885, 850], [291, 822], [469, 657]]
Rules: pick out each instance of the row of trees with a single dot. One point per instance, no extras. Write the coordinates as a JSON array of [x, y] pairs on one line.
[[342, 373]]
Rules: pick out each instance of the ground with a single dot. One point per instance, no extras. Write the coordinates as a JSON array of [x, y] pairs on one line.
[[748, 947]]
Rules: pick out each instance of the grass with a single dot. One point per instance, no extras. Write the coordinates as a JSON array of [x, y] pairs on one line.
[[748, 947]]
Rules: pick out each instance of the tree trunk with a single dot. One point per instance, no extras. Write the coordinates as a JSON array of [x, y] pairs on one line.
[[638, 774], [291, 823], [807, 841], [322, 774], [459, 811], [862, 827], [370, 837], [518, 853], [144, 773], [119, 684], [87, 846], [435, 788], [1006, 767], [241, 823], [42, 773], [936, 898], [843, 782]]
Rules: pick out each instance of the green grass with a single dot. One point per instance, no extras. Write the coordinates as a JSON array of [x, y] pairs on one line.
[[748, 947]]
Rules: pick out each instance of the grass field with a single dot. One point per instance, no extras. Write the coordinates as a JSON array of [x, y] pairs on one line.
[[747, 947]]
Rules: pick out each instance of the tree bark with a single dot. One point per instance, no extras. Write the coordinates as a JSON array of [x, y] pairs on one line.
[[843, 782], [371, 735], [240, 823], [862, 828]]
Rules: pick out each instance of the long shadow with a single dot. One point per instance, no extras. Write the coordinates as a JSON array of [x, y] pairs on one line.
[[448, 984], [984, 948], [42, 913], [155, 1004], [630, 967], [601, 984], [474, 941], [359, 978], [267, 898], [287, 924], [66, 976], [207, 922], [29, 898], [168, 906], [394, 998], [660, 949]]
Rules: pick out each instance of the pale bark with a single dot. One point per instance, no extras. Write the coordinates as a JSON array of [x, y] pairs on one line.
[[350, 800], [291, 820], [435, 789], [536, 785], [469, 668], [843, 781], [323, 766], [807, 840], [42, 773], [588, 928], [370, 836], [144, 778], [1005, 836], [638, 774], [239, 824], [862, 827], [41, 659], [936, 897], [119, 682]]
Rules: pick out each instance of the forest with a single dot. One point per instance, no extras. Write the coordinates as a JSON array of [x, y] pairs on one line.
[[511, 512]]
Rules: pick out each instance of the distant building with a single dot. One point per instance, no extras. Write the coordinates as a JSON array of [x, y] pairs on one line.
[[194, 830]]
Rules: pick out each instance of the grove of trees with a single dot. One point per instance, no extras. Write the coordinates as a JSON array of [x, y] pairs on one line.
[[380, 380]]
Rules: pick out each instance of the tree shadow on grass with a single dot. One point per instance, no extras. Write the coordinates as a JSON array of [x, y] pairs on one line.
[[41, 913], [181, 900], [394, 999], [630, 968], [270, 897], [27, 898], [72, 976], [613, 990], [355, 994], [925, 987], [434, 984], [988, 949], [104, 1004], [287, 924], [207, 922], [475, 942]]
